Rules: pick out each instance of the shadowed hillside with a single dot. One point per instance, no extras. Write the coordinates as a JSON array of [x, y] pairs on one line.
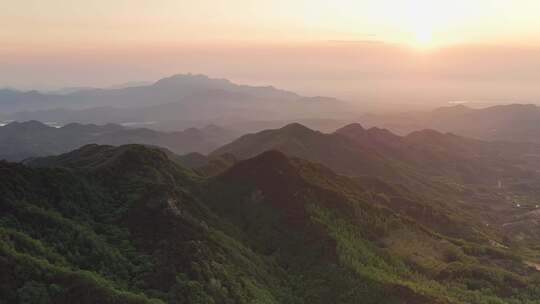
[[133, 226]]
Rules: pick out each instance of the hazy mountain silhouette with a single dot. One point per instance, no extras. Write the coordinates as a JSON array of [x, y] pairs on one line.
[[175, 98], [514, 122], [19, 141]]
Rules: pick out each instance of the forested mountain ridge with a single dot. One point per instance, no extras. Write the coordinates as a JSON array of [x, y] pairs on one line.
[[356, 151], [128, 225], [487, 183]]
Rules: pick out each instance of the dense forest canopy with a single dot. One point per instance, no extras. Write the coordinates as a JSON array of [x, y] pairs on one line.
[[129, 224]]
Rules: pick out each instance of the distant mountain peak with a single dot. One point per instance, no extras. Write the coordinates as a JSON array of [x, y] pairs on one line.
[[189, 79], [351, 128], [296, 129], [454, 110], [357, 132], [512, 108], [197, 83], [426, 136], [296, 126], [30, 124], [376, 131], [507, 109]]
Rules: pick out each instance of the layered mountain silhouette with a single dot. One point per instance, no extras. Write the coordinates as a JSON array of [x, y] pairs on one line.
[[334, 150], [21, 140], [184, 97], [518, 122], [513, 123], [187, 100], [355, 151]]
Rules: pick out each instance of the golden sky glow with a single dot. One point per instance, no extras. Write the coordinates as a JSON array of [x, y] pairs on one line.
[[366, 49], [417, 23]]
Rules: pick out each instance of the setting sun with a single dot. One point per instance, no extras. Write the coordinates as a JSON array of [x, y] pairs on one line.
[[284, 151], [423, 39], [419, 19]]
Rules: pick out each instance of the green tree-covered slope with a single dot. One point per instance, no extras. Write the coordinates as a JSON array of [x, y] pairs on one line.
[[126, 224]]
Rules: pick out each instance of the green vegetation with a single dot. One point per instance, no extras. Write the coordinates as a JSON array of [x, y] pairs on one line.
[[128, 225]]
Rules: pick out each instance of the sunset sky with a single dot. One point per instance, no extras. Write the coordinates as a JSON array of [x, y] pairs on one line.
[[348, 48]]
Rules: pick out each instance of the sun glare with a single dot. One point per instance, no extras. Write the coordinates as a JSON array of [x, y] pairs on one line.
[[423, 39], [421, 19]]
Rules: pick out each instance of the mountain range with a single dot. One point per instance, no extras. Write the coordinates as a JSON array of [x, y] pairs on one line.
[[21, 140], [427, 207], [426, 161], [173, 100], [127, 224], [355, 151], [514, 122], [186, 100]]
